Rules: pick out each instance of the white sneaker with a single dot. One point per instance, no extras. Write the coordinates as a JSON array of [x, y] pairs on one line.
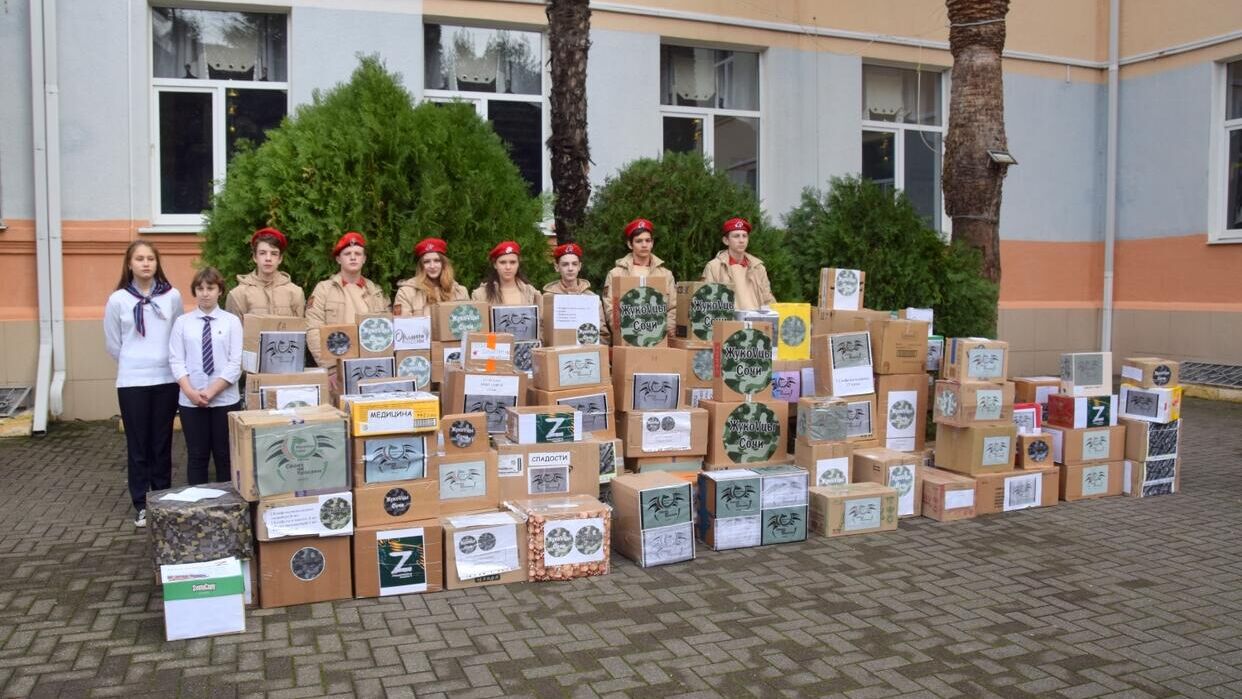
[[141, 519]]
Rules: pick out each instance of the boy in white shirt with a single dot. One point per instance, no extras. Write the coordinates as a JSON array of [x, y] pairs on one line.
[[204, 353]]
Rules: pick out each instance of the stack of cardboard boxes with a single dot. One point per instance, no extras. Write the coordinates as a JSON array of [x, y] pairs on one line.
[[273, 361], [1082, 424], [740, 507], [1150, 408], [746, 426], [699, 305]]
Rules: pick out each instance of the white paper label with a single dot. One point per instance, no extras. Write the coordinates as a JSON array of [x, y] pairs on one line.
[[411, 333], [901, 478], [578, 368], [861, 513], [1094, 480], [250, 361], [784, 491], [985, 364], [670, 544], [902, 413], [959, 499], [996, 450], [1096, 444], [568, 541], [1022, 492], [296, 397], [988, 404], [490, 385], [1042, 393], [501, 352], [665, 431], [485, 519], [572, 311], [851, 364], [331, 515], [1125, 478], [1131, 372], [834, 471], [738, 532], [699, 394], [482, 552], [388, 420], [845, 290], [1058, 444], [511, 465]]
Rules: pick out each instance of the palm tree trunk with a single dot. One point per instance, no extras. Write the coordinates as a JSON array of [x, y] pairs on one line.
[[569, 37], [972, 182]]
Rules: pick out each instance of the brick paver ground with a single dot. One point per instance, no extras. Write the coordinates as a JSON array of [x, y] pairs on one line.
[[1112, 597]]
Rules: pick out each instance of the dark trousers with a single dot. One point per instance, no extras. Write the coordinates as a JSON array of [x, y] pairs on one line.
[[147, 413], [206, 433]]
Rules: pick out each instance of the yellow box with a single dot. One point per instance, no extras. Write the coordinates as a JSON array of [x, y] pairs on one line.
[[793, 334], [392, 413]]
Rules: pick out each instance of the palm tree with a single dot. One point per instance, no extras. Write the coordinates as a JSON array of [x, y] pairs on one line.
[[569, 36], [972, 181]]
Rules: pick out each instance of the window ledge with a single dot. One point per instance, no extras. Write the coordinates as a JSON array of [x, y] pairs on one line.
[[160, 229]]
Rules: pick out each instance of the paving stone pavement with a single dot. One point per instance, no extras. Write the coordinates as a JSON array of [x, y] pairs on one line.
[[1111, 597]]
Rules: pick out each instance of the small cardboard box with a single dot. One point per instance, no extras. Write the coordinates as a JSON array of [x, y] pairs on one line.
[[301, 450], [699, 304], [543, 424], [468, 482], [1076, 446], [282, 352], [947, 496], [522, 321], [842, 289], [1161, 405], [257, 383], [793, 334], [984, 448], [745, 434], [826, 322], [571, 319], [652, 518], [528, 471], [895, 469], [823, 419], [741, 361], [903, 400], [1150, 372], [303, 571], [287, 397], [392, 413], [860, 412], [855, 508], [398, 502], [567, 538], [1091, 480], [463, 433], [475, 392], [787, 382], [355, 370], [288, 516], [339, 341], [1146, 441], [255, 323], [1087, 373], [843, 364], [416, 366], [827, 463], [661, 433], [397, 457], [1008, 491], [374, 387], [596, 404], [1142, 479], [1033, 450], [205, 598], [411, 333], [557, 368], [647, 378], [487, 548], [900, 346], [399, 561], [965, 403], [1077, 412], [639, 317], [1035, 389], [451, 319], [375, 335], [489, 353], [700, 362], [975, 359]]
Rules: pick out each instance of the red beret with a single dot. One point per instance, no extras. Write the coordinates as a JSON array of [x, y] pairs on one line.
[[567, 249], [507, 247], [281, 241], [427, 245], [637, 226], [736, 224], [350, 238]]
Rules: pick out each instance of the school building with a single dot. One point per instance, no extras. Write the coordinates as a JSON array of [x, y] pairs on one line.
[[1120, 224]]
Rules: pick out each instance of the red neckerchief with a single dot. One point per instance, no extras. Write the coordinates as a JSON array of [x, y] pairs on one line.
[[745, 262]]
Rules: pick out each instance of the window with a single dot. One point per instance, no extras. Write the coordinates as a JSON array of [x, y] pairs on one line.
[[710, 105], [500, 72], [217, 78], [1231, 211], [902, 138]]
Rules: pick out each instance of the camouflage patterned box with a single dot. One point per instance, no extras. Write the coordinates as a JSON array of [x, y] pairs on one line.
[[855, 508], [741, 361], [196, 531], [745, 434], [640, 317], [699, 304]]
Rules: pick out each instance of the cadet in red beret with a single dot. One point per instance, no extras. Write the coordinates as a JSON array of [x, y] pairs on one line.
[[266, 290], [569, 264], [433, 282], [506, 284], [641, 262], [343, 298], [744, 271]]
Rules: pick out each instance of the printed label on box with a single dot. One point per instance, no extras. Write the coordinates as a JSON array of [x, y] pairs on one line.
[[544, 480], [901, 479], [511, 465], [738, 532], [395, 459], [1094, 480], [946, 403], [851, 364], [490, 385], [845, 290], [787, 386], [698, 395], [665, 506], [900, 434], [594, 409], [1142, 403], [859, 419], [467, 479], [418, 368], [656, 391], [709, 303], [834, 471], [331, 515], [959, 499], [784, 524], [411, 333], [1022, 492], [1096, 445], [996, 450], [752, 433], [480, 553], [784, 491], [388, 420], [295, 397], [1131, 372], [520, 321], [1088, 369], [988, 404], [666, 431], [402, 561], [737, 497], [578, 369], [573, 541], [375, 334], [670, 544], [861, 513], [985, 364], [484, 351], [493, 407], [571, 311]]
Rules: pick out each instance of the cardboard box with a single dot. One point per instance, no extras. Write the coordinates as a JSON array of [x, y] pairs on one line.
[[411, 333], [843, 364], [669, 464], [741, 361], [826, 463], [256, 383], [399, 561], [397, 457], [1146, 441], [842, 289], [1033, 450], [487, 548], [1076, 446], [699, 304], [282, 352], [463, 433], [782, 486], [444, 355], [1028, 417], [647, 378], [935, 354], [1091, 480], [1009, 491], [861, 414], [947, 496], [375, 335], [289, 516], [823, 419], [205, 598], [700, 362], [557, 368], [520, 321], [661, 433], [307, 395], [543, 424], [1035, 389], [567, 538], [414, 365], [255, 323], [571, 319], [303, 571], [489, 353], [826, 322], [451, 319], [398, 502], [1161, 405], [301, 450], [474, 392], [468, 482], [392, 413], [984, 448], [730, 509], [353, 371], [927, 315], [787, 382], [596, 403], [1150, 372], [375, 387], [640, 315], [903, 399], [900, 346], [793, 335], [975, 359], [965, 403], [1087, 373], [856, 508], [529, 471], [1142, 479], [745, 434], [1077, 412], [652, 518], [895, 469], [784, 525]]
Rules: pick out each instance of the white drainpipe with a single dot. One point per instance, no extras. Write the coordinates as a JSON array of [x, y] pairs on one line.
[[1110, 177]]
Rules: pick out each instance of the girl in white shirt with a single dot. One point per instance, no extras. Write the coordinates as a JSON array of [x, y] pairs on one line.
[[137, 322], [204, 354]]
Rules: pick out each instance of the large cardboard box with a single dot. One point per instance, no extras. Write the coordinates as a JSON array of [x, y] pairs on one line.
[[390, 458], [596, 404], [474, 392], [843, 364], [399, 561], [398, 502], [468, 482], [825, 322], [255, 323], [451, 319], [965, 403], [1142, 479], [1033, 450], [485, 548], [842, 289], [662, 433], [1087, 373], [699, 304], [823, 419], [301, 450], [543, 424], [529, 471], [558, 368], [900, 346], [289, 516], [392, 413], [1161, 405], [352, 371], [902, 398], [567, 538], [520, 321], [947, 496], [647, 378], [742, 361], [375, 335], [827, 463], [1091, 480], [640, 315], [303, 571], [1008, 491], [652, 518], [490, 353], [984, 448], [571, 319], [856, 508], [700, 363], [784, 514], [1150, 372], [203, 598], [1077, 412], [1146, 441], [975, 359], [463, 433], [895, 469], [1076, 446], [745, 434], [793, 334]]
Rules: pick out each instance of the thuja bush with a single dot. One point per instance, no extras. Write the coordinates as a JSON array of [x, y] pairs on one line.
[[859, 225], [362, 157]]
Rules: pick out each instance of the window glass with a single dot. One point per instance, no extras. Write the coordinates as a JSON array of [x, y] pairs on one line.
[[1233, 201], [472, 59], [922, 170], [901, 95], [520, 126], [697, 77], [879, 158], [737, 149], [1233, 92], [215, 45], [185, 151], [683, 134], [249, 114]]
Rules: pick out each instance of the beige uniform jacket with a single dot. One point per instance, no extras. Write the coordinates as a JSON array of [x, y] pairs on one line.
[[529, 295], [584, 287], [332, 304], [749, 283], [625, 268], [411, 298], [279, 297]]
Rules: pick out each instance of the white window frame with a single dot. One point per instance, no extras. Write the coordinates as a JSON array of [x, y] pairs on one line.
[[193, 223], [1218, 158], [480, 99]]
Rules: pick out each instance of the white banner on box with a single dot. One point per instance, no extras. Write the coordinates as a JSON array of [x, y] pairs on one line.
[[738, 532], [567, 541], [958, 499], [411, 333], [1022, 492], [666, 431], [572, 311], [902, 420], [331, 515], [296, 397], [490, 385], [483, 552], [834, 471]]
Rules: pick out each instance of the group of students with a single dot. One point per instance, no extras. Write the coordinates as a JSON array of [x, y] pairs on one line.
[[170, 362]]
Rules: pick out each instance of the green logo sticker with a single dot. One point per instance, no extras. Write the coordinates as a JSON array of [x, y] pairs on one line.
[[401, 562], [746, 361], [554, 428], [588, 334], [644, 317], [709, 303], [375, 334], [464, 319], [336, 513], [751, 433]]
